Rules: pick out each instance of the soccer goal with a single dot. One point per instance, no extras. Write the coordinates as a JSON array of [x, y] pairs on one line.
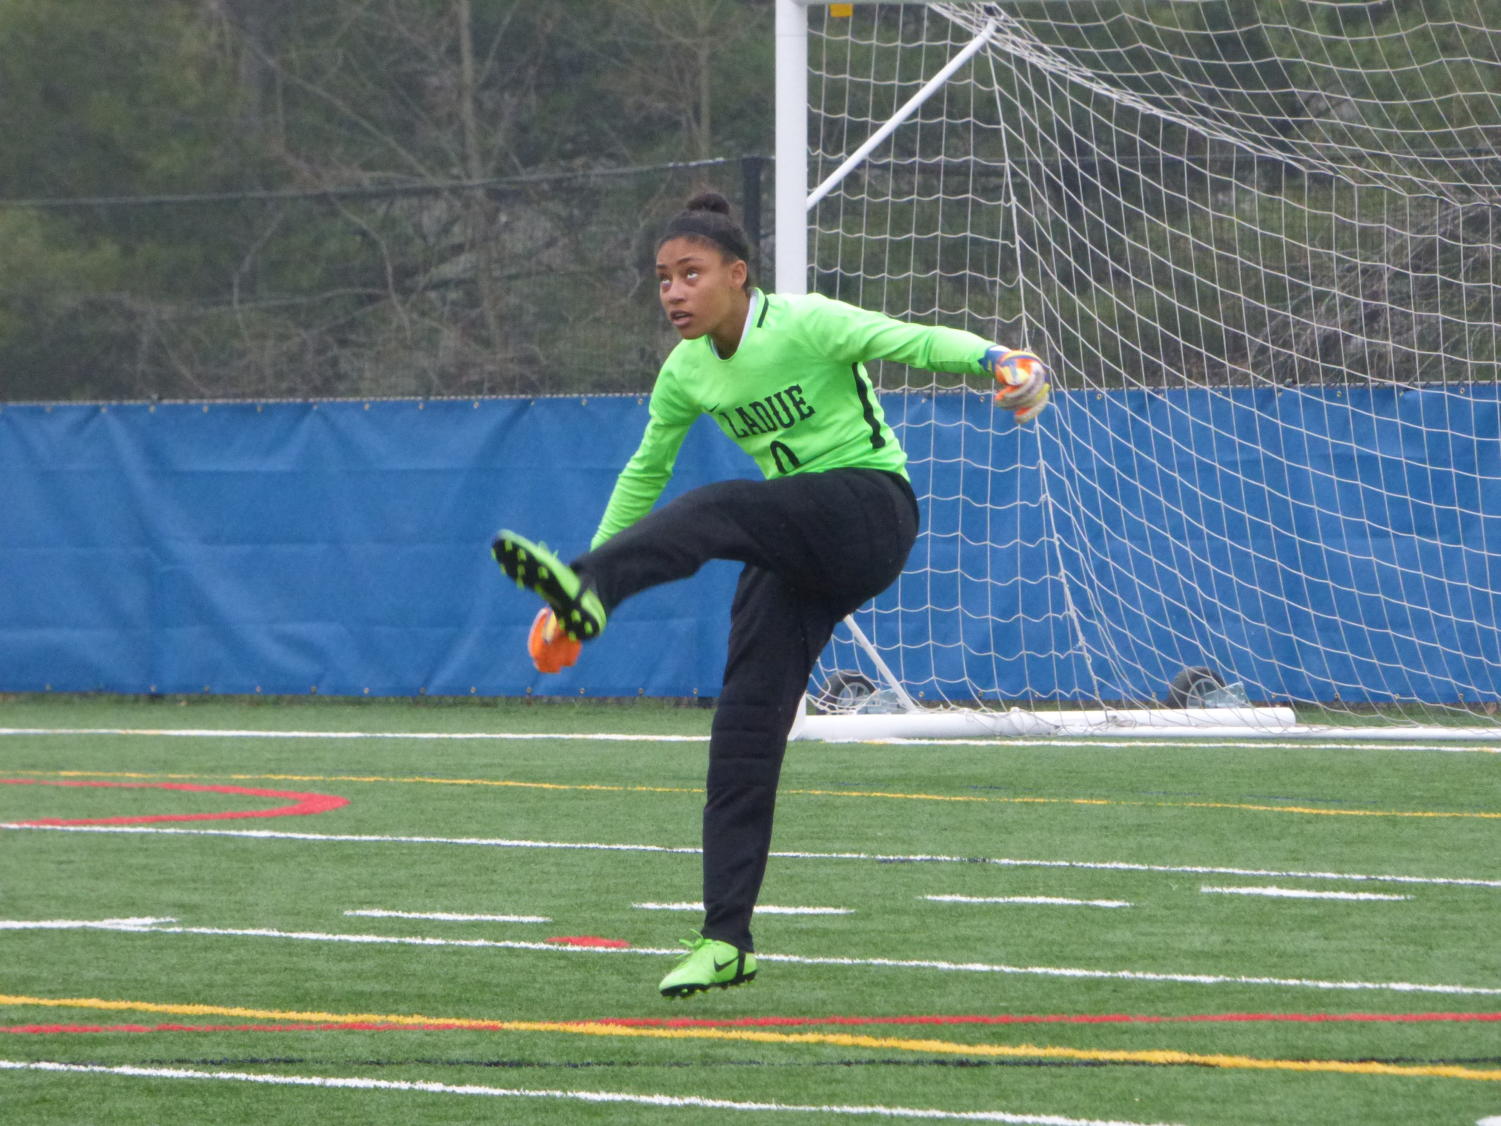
[[1258, 246]]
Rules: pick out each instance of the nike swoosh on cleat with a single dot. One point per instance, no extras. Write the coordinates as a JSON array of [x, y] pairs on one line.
[[724, 965]]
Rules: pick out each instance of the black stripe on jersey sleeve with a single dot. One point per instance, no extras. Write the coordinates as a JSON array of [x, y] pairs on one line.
[[863, 388]]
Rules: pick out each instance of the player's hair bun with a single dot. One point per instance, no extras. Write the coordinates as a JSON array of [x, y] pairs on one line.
[[706, 217], [708, 201]]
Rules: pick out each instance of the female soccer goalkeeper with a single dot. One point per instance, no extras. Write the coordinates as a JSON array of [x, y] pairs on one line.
[[828, 529]]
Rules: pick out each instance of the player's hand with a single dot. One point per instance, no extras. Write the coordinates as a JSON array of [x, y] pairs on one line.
[[1023, 379]]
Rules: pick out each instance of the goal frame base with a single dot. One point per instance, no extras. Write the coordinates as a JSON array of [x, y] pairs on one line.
[[1154, 724], [956, 723]]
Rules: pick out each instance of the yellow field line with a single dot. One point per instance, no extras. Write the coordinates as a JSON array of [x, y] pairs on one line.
[[601, 788], [1161, 1056]]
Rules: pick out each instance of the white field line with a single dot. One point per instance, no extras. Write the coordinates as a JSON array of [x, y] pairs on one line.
[[668, 1101], [366, 838], [760, 909], [445, 916], [391, 940], [1323, 741], [230, 733], [883, 858], [1046, 900], [1114, 740], [1073, 972], [135, 923], [1300, 893]]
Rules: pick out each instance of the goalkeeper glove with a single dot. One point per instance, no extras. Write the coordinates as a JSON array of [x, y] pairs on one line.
[[1023, 379]]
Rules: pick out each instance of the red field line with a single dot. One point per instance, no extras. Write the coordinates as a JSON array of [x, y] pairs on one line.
[[302, 803]]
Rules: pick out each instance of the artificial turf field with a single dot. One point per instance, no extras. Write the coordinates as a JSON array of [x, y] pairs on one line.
[[232, 926]]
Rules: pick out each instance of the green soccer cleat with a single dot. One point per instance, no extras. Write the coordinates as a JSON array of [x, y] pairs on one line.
[[576, 607], [708, 962]]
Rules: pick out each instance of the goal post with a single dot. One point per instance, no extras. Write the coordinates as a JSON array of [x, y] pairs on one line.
[[790, 193], [1262, 256]]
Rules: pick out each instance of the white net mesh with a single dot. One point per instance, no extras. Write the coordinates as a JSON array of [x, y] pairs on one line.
[[1257, 244]]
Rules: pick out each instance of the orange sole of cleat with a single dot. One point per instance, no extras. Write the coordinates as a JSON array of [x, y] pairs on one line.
[[551, 649]]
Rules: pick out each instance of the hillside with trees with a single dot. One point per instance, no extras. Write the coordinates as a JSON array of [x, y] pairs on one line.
[[274, 198], [265, 198]]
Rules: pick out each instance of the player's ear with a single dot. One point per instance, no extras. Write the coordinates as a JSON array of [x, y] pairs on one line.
[[739, 271]]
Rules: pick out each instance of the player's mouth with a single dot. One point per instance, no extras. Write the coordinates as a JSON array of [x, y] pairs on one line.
[[680, 318]]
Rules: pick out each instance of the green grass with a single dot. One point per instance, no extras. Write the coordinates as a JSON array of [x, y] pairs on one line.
[[1159, 810]]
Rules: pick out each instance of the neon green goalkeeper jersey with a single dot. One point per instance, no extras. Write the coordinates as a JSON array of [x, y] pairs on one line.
[[794, 395]]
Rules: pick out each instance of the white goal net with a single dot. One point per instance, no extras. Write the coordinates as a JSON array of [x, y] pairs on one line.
[[1257, 244]]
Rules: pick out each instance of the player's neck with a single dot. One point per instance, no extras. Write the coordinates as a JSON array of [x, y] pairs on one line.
[[730, 331]]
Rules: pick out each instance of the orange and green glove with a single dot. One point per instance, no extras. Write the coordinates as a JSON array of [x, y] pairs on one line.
[[1023, 378]]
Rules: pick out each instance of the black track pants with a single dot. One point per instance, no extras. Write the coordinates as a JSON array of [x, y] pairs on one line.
[[815, 547]]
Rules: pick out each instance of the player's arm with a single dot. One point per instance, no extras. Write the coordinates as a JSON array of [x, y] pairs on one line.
[[644, 477], [854, 334]]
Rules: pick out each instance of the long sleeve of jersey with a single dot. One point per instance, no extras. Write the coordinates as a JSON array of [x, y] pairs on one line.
[[795, 395], [849, 334], [645, 476]]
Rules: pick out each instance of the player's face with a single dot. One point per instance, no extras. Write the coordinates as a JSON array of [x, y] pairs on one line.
[[700, 291]]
